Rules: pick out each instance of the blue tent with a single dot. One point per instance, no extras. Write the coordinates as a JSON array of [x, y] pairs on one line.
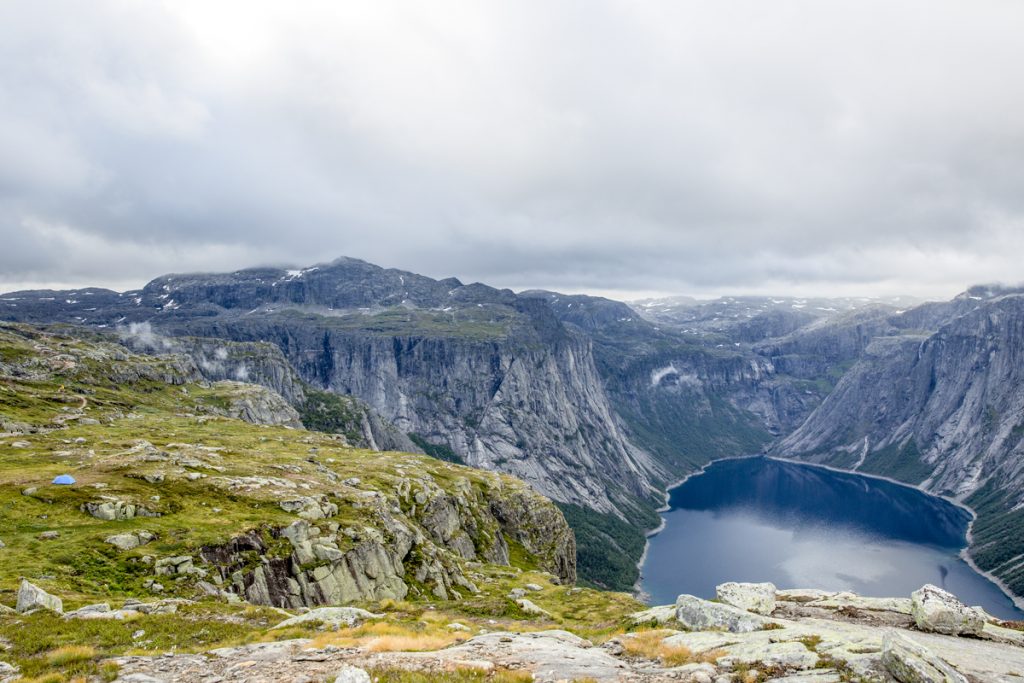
[[64, 479]]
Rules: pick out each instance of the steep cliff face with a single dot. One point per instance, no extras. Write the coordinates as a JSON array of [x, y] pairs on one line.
[[944, 410], [530, 403], [495, 378], [175, 486], [944, 407], [253, 362], [417, 546]]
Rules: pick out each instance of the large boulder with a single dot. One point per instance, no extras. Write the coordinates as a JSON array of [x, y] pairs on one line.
[[910, 662], [697, 614], [937, 611], [32, 597], [130, 540], [335, 617], [752, 597]]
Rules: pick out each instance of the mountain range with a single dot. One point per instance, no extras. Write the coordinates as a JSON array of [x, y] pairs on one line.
[[599, 404]]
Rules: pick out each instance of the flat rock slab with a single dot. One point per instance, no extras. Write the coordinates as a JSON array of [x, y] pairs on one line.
[[550, 655]]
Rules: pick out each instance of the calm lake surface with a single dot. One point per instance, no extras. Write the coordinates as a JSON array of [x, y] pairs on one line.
[[757, 519]]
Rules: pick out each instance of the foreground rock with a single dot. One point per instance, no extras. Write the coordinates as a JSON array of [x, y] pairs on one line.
[[911, 662], [937, 611], [32, 597], [752, 597], [130, 540], [697, 614]]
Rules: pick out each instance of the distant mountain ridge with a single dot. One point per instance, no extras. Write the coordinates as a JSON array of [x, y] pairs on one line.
[[600, 405]]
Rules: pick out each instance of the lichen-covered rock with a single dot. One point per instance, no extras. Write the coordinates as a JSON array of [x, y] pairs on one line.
[[937, 611], [910, 662], [181, 564], [752, 597], [531, 607], [130, 540], [791, 655], [331, 616], [116, 510], [539, 526], [697, 614], [32, 597], [351, 674], [8, 671], [662, 614], [310, 507]]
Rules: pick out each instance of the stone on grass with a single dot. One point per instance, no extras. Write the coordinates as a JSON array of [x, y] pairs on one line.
[[655, 615], [752, 597], [32, 597], [130, 539], [936, 611], [530, 607]]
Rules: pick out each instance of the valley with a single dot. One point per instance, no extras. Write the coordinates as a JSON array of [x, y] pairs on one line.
[[246, 447], [600, 405]]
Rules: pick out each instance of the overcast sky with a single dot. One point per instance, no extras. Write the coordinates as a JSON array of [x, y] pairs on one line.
[[618, 147]]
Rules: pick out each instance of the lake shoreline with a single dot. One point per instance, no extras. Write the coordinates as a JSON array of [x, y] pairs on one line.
[[964, 553]]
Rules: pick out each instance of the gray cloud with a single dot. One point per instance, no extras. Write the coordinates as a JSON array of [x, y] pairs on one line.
[[742, 146]]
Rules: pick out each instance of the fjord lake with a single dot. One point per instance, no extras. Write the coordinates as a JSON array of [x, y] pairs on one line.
[[800, 526]]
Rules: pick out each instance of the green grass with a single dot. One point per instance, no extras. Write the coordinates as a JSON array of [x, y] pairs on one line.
[[325, 411], [904, 463], [150, 419], [688, 430], [607, 548], [436, 450]]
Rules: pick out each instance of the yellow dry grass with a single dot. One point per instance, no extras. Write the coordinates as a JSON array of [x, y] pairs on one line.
[[392, 637], [70, 654], [651, 645]]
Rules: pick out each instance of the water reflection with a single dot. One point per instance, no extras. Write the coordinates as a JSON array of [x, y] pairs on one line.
[[756, 519]]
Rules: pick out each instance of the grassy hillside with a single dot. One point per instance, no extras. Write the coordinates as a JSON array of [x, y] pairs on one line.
[[148, 432]]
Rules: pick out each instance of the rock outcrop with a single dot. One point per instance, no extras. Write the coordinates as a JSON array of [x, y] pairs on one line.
[[910, 662], [314, 562], [699, 614], [752, 597], [31, 597], [937, 611], [806, 645]]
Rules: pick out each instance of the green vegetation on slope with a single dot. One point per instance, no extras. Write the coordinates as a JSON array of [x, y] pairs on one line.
[[607, 548], [998, 536], [904, 463], [688, 431], [140, 429], [325, 411], [436, 450]]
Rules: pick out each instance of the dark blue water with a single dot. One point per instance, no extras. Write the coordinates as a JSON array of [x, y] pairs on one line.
[[757, 519]]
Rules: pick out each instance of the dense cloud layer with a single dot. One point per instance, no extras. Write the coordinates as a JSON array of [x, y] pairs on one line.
[[847, 147]]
